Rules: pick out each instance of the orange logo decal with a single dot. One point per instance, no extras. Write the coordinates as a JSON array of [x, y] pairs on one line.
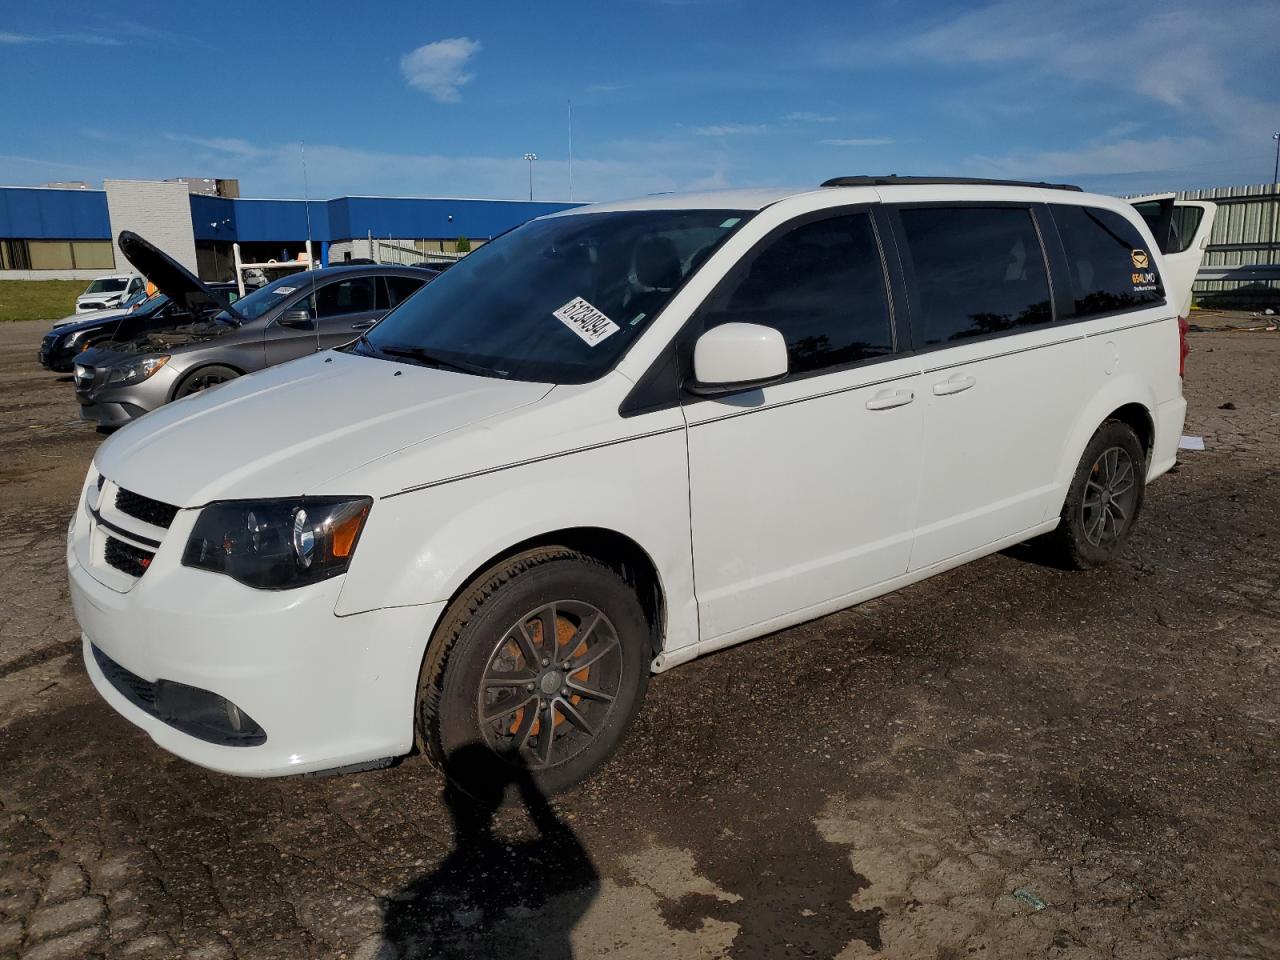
[[1140, 260]]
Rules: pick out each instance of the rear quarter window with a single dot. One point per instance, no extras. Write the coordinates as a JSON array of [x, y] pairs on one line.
[[1108, 262]]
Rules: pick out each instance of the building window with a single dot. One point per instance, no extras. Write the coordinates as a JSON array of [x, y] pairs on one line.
[[13, 255], [50, 255], [57, 255], [93, 255]]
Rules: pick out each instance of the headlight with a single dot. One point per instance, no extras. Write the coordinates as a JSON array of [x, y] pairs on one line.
[[136, 370], [278, 544]]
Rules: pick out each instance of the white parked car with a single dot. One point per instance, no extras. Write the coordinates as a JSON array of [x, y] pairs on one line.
[[613, 440], [125, 306], [103, 293]]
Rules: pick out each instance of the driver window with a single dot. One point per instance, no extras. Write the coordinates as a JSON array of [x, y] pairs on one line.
[[822, 286]]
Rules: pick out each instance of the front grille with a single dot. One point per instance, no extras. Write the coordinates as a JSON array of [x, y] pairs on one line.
[[127, 558], [145, 509]]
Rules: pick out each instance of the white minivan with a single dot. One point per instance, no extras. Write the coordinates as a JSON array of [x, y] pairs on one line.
[[613, 440]]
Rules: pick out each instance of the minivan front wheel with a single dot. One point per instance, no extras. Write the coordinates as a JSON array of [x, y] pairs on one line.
[[1104, 500], [544, 661]]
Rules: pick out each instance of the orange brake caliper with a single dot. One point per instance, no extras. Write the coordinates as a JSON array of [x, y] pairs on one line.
[[564, 633]]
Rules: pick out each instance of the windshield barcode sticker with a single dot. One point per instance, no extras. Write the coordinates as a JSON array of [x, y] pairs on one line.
[[586, 321]]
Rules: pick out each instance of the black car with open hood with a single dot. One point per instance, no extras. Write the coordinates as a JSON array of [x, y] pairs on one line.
[[181, 299]]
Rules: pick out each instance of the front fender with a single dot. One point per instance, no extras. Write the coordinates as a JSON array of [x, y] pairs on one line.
[[421, 547]]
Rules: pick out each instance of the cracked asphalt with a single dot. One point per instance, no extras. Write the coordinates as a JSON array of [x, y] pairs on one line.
[[1005, 761]]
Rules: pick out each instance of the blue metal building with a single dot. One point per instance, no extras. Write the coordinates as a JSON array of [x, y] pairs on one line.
[[66, 232]]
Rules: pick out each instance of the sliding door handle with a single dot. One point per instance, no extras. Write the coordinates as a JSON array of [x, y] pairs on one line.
[[957, 384], [888, 399]]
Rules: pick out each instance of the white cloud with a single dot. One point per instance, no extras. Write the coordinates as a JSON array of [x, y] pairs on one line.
[[731, 129], [1097, 157], [1178, 55], [439, 68], [93, 39], [617, 169], [808, 116], [1177, 72], [858, 142]]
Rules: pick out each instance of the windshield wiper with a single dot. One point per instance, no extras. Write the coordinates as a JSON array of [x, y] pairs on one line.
[[428, 359]]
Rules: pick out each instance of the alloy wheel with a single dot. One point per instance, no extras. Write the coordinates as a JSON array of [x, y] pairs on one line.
[[550, 684], [1110, 496], [203, 382]]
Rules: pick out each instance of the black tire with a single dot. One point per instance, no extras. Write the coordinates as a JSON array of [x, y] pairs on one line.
[[499, 617], [204, 377], [1096, 518]]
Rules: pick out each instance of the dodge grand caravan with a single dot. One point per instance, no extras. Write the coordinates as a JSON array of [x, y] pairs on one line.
[[613, 440]]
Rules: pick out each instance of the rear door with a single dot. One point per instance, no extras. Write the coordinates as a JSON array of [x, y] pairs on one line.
[[1181, 229]]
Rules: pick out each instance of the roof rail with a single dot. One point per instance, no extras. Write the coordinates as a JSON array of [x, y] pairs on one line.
[[893, 180]]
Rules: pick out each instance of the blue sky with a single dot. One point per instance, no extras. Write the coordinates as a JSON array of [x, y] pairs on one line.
[[443, 99]]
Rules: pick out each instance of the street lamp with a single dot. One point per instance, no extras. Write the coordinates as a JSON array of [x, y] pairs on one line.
[[531, 157], [1275, 179]]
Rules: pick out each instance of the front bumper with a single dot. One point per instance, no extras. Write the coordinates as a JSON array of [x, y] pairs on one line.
[[109, 414], [326, 691], [114, 405]]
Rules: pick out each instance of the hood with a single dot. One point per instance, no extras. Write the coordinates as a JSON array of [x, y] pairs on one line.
[[288, 430], [171, 277], [90, 318]]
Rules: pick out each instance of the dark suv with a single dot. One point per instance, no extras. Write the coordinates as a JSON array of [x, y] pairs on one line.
[[288, 318]]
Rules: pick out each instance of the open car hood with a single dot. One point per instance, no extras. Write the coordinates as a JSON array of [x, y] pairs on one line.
[[171, 277]]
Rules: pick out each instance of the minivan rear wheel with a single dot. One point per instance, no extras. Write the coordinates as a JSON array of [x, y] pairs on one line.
[[1103, 501], [203, 379], [544, 662]]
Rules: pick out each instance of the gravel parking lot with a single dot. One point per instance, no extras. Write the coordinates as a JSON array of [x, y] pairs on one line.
[[1005, 761]]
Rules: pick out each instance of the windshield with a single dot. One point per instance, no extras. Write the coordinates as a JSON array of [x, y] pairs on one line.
[[107, 285], [253, 305], [556, 300]]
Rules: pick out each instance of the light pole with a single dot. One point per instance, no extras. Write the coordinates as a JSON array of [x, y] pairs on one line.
[[1275, 178], [531, 157]]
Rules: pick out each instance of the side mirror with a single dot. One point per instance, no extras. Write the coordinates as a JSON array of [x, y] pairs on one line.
[[297, 318], [737, 356]]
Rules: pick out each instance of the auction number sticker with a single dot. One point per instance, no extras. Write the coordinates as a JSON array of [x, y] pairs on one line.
[[586, 321]]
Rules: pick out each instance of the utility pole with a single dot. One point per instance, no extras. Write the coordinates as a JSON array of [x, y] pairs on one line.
[[531, 157], [570, 150]]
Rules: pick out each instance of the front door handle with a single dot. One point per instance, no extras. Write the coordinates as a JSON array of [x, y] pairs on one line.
[[957, 384], [888, 399], [363, 324]]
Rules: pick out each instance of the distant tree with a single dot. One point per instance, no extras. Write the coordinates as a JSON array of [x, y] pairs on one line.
[[464, 245]]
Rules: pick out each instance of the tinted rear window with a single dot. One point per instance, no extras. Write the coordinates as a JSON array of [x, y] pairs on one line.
[[978, 271], [1108, 262]]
